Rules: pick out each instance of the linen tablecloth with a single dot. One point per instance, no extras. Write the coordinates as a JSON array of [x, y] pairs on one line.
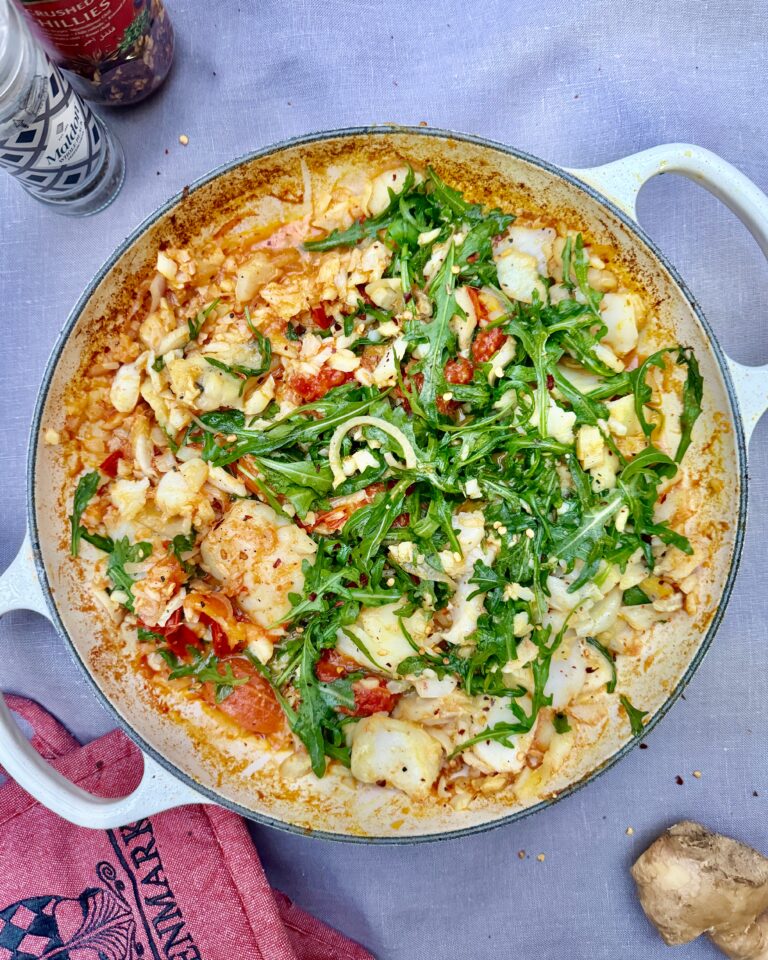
[[578, 84]]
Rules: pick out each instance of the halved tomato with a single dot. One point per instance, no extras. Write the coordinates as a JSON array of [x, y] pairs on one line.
[[252, 705], [370, 700]]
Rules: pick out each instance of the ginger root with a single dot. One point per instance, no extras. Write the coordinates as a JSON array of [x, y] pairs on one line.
[[692, 881]]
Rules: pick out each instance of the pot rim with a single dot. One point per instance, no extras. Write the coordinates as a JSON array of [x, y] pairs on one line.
[[388, 130]]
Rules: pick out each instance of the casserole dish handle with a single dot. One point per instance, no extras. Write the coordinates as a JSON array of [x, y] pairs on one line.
[[20, 590], [621, 182]]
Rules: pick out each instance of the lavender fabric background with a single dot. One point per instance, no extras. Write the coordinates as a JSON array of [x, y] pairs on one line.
[[577, 84]]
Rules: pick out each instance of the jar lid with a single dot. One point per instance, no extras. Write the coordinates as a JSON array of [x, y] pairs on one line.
[[15, 45]]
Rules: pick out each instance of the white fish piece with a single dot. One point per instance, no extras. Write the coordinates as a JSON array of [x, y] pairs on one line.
[[537, 243], [519, 275], [604, 474], [396, 751], [386, 293], [493, 754], [218, 477], [201, 386], [470, 530], [178, 489], [464, 611], [464, 327], [430, 687], [603, 352], [567, 673], [166, 266], [380, 632], [393, 180], [385, 372], [589, 446], [561, 599], [258, 400], [174, 340], [501, 359], [257, 556], [622, 417], [560, 422], [126, 386], [128, 496], [251, 276], [621, 312], [582, 379]]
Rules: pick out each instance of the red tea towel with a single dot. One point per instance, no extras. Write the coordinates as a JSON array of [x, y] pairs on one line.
[[184, 885]]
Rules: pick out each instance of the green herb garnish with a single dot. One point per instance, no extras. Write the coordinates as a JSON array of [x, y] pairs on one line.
[[87, 486], [195, 323], [635, 597], [124, 552], [205, 668], [636, 716]]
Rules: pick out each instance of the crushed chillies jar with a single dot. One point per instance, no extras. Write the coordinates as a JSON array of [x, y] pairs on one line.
[[115, 52]]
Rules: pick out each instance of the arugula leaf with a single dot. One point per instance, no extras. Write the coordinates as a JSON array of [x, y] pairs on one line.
[[145, 635], [568, 543], [361, 229], [316, 721], [587, 410], [636, 716], [371, 523], [486, 578], [437, 333], [635, 597], [195, 324], [97, 540], [500, 733], [638, 483], [182, 543], [567, 269], [299, 481], [86, 488], [239, 370], [580, 267], [611, 685], [298, 427], [643, 393], [205, 668], [693, 392], [313, 709], [299, 472], [123, 552]]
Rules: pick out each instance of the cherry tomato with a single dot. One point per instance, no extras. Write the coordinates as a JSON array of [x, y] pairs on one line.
[[370, 700], [252, 704], [180, 637], [109, 466], [480, 309], [219, 638], [320, 318], [459, 370], [314, 388], [333, 665], [487, 343]]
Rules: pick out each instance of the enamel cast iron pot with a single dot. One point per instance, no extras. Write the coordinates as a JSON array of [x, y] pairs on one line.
[[187, 763]]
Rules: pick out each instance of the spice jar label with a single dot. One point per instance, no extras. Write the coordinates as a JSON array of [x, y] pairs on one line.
[[54, 144], [89, 31]]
